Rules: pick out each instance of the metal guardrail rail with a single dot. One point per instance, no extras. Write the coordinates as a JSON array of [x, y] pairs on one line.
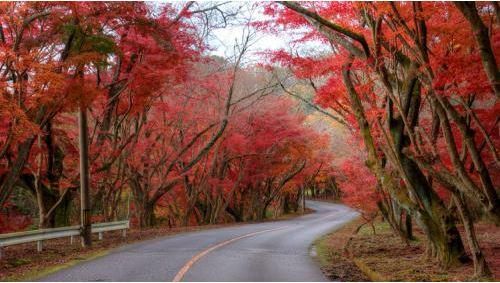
[[40, 235]]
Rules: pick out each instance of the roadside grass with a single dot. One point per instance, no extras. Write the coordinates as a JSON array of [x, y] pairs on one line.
[[329, 254], [23, 263], [384, 257], [38, 272]]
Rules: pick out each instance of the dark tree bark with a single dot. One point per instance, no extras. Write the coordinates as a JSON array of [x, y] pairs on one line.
[[469, 10]]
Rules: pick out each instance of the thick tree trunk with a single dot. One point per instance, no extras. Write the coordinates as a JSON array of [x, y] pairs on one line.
[[146, 215], [441, 232], [144, 207]]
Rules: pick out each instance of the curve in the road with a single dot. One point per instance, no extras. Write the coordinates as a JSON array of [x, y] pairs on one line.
[[266, 251], [178, 277]]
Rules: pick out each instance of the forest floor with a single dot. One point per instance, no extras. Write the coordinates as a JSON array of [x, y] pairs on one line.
[[24, 263], [384, 257]]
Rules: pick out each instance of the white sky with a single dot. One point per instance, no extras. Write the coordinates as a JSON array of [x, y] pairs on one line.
[[223, 39]]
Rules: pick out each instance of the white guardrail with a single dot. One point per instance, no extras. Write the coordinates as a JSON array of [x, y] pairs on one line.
[[40, 235]]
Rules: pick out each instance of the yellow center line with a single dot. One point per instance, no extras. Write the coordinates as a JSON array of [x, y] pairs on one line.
[[178, 277]]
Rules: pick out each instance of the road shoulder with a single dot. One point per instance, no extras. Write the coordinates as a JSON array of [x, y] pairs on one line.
[[384, 257], [328, 252]]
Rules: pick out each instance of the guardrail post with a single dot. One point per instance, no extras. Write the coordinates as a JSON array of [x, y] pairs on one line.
[[100, 236], [39, 246], [71, 240], [124, 233]]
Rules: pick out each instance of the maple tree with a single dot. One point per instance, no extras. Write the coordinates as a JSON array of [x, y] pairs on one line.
[[83, 54], [418, 82]]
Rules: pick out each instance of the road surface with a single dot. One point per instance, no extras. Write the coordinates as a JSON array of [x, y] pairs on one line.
[[270, 251]]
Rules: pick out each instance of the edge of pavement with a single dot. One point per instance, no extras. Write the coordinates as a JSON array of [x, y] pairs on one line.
[[39, 271]]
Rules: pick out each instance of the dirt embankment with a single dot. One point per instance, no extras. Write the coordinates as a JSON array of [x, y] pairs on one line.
[[384, 257]]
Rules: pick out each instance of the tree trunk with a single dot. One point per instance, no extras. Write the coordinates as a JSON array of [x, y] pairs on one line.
[[146, 215], [187, 216], [481, 34], [388, 215], [408, 226], [303, 194], [10, 179], [440, 230], [480, 266]]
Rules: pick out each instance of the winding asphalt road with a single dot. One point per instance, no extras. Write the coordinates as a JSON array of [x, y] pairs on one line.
[[270, 251]]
